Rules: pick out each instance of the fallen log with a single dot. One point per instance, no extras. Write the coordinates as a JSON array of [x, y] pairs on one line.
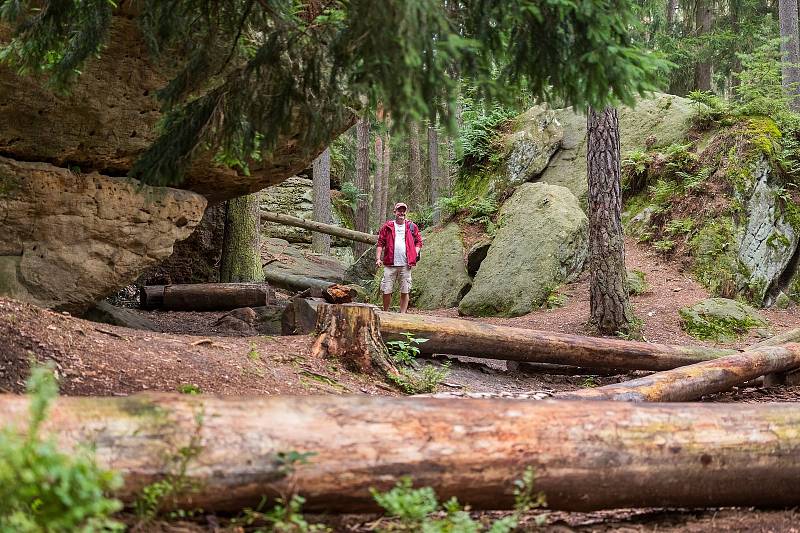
[[693, 381], [475, 339], [319, 227], [206, 296], [586, 455], [293, 282]]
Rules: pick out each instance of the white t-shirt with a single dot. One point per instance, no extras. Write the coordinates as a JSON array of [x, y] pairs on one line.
[[400, 258]]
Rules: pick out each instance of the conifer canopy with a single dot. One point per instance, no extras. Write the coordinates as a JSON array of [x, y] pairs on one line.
[[248, 71]]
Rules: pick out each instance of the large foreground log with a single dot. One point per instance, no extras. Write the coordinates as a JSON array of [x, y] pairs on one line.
[[328, 229], [693, 381], [586, 455], [465, 337], [206, 296]]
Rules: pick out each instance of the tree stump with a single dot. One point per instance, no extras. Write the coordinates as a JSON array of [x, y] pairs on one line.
[[351, 334]]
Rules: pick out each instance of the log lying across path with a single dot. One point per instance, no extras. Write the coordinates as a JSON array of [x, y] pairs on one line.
[[206, 296], [693, 381], [586, 455], [475, 339], [312, 225]]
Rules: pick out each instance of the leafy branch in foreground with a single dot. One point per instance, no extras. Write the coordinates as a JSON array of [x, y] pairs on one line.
[[252, 74], [42, 489]]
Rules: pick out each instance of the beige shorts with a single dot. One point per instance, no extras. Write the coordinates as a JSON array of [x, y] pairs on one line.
[[393, 273]]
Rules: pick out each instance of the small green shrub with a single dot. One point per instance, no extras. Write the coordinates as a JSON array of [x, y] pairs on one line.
[[422, 381], [590, 382], [42, 489], [419, 509], [253, 354], [351, 194], [405, 351], [190, 388], [636, 283], [664, 246]]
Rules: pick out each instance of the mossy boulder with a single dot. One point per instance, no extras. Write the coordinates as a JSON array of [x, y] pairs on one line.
[[535, 138], [440, 278], [541, 244], [293, 197], [657, 121], [720, 319]]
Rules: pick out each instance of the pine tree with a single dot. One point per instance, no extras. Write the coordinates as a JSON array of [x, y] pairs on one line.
[[241, 249], [415, 167], [362, 183], [249, 73], [321, 184], [433, 156], [790, 51], [610, 310], [377, 188]]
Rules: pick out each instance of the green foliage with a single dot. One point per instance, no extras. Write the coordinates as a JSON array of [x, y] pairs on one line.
[[590, 382], [190, 388], [419, 510], [664, 245], [715, 263], [479, 135], [351, 194], [716, 328], [253, 354], [422, 381], [405, 352], [636, 283], [679, 226], [42, 489], [249, 75]]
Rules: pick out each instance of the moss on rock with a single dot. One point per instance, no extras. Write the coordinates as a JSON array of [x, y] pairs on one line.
[[720, 319]]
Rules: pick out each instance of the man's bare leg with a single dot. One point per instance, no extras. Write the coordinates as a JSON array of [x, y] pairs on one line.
[[387, 301], [404, 297]]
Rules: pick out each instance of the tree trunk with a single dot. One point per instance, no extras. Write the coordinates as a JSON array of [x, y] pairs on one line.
[[377, 190], [296, 283], [321, 242], [586, 455], [362, 182], [693, 381], [475, 339], [703, 21], [414, 166], [336, 231], [790, 51], [433, 153], [672, 8], [206, 296], [610, 310], [351, 334], [241, 248], [387, 164]]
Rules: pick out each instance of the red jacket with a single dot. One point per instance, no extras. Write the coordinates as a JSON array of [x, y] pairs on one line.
[[386, 241]]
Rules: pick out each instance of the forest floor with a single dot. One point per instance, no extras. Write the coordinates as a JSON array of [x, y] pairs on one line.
[[194, 355]]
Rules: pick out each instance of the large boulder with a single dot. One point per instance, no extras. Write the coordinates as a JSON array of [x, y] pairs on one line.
[[282, 257], [440, 278], [70, 239], [720, 319], [541, 244], [657, 121], [110, 115], [535, 138]]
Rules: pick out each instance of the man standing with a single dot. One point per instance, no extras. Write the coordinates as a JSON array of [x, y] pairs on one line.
[[399, 243]]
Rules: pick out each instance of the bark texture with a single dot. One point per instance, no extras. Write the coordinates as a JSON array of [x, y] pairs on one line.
[[433, 163], [704, 18], [350, 333], [415, 166], [387, 165], [321, 242], [586, 455], [362, 182], [241, 249], [790, 51], [693, 381], [610, 310], [377, 184], [206, 296], [475, 339], [671, 9]]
